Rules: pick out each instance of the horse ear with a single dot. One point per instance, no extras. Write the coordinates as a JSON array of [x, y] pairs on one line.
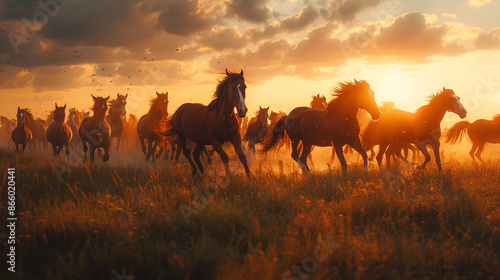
[[56, 105], [267, 107], [443, 89], [227, 73], [126, 95], [64, 107], [118, 95], [18, 108], [157, 94], [355, 80], [106, 98], [241, 72], [260, 107]]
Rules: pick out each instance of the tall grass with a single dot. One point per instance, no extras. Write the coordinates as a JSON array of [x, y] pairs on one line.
[[101, 219]]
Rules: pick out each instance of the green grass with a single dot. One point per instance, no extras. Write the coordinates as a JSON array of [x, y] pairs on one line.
[[106, 217]]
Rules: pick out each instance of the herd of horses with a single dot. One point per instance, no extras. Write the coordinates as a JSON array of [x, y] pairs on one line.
[[193, 127]]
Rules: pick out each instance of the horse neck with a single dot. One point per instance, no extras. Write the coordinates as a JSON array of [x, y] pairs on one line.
[[225, 110], [21, 124], [432, 114], [342, 110], [100, 116], [114, 115]]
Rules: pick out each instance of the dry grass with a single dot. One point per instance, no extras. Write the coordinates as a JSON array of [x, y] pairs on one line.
[[103, 218]]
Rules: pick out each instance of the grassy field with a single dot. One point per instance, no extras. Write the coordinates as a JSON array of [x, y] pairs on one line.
[[130, 220]]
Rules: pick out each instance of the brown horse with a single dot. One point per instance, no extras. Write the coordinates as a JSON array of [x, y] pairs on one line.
[[115, 117], [151, 124], [21, 135], [95, 130], [337, 125], [214, 124], [479, 132], [37, 129], [59, 134], [257, 130], [420, 128]]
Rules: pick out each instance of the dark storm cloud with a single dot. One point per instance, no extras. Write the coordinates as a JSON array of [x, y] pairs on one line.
[[256, 11], [183, 18], [16, 9]]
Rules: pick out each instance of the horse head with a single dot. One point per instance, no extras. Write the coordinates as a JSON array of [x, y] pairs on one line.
[[100, 106], [452, 103], [365, 97], [59, 114], [236, 91], [118, 105], [263, 114], [161, 103], [21, 115]]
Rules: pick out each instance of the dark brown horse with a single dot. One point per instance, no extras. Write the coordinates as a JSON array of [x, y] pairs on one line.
[[420, 128], [115, 117], [257, 130], [151, 124], [21, 135], [59, 134], [214, 124], [337, 125], [74, 121], [479, 132], [95, 130]]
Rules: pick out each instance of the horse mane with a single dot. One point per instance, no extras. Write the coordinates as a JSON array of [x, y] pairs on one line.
[[219, 90], [28, 114], [433, 99], [496, 117], [341, 92], [153, 104]]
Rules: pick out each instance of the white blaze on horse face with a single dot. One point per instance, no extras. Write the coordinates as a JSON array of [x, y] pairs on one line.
[[242, 108], [458, 108]]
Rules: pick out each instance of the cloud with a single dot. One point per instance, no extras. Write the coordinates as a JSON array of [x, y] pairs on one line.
[[184, 18], [490, 40], [297, 23], [224, 39], [346, 10], [255, 11], [477, 3]]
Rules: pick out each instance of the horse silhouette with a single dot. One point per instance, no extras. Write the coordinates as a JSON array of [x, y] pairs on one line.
[[420, 128], [337, 125], [59, 134], [21, 135], [214, 124], [151, 124], [95, 130], [257, 130], [479, 133], [115, 116]]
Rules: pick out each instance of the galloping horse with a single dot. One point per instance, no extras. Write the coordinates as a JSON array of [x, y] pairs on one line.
[[258, 129], [95, 130], [480, 132], [37, 129], [74, 122], [6, 129], [214, 124], [21, 134], [59, 134], [337, 125], [151, 124], [115, 117], [420, 128]]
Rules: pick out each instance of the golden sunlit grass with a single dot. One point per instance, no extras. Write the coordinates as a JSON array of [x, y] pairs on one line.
[[100, 219]]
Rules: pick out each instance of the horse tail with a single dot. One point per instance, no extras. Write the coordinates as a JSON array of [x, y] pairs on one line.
[[457, 131], [170, 131], [272, 138], [369, 137]]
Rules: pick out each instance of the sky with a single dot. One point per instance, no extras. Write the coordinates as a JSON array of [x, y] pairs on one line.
[[65, 50]]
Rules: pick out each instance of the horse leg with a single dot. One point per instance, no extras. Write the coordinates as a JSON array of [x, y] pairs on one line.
[[24, 146], [178, 152], [118, 140], [173, 146], [85, 149], [242, 157], [92, 153], [306, 149], [187, 153], [106, 147], [401, 157], [161, 151], [381, 151], [473, 151], [295, 155], [59, 150], [356, 145], [196, 155], [435, 148], [479, 151], [150, 150], [54, 148], [209, 159], [340, 155], [143, 147], [423, 149], [223, 156]]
